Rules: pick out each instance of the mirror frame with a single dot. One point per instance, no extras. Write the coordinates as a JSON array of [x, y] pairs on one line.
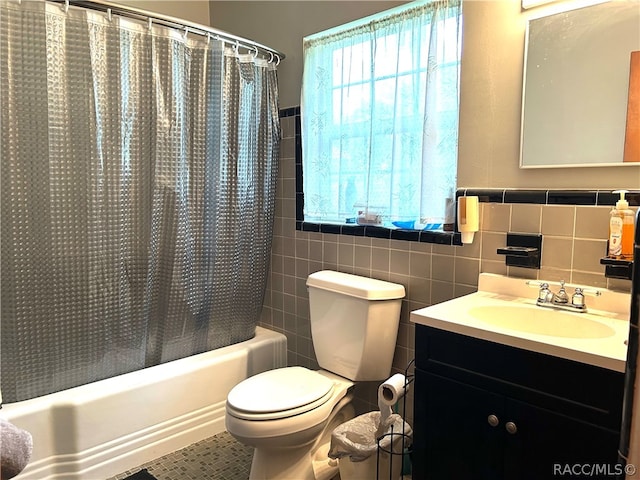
[[559, 161]]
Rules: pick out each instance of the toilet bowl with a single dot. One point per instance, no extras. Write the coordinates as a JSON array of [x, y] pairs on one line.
[[288, 414]]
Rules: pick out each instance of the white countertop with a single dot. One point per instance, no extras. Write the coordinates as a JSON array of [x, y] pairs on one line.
[[608, 352]]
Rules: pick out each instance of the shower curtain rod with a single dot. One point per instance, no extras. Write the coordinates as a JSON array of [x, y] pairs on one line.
[[173, 22]]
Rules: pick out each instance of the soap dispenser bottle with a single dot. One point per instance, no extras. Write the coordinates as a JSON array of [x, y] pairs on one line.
[[621, 224]]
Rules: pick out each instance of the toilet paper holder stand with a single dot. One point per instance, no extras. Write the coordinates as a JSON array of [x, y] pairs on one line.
[[405, 451]]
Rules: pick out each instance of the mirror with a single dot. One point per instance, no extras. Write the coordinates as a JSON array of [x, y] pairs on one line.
[[576, 100]]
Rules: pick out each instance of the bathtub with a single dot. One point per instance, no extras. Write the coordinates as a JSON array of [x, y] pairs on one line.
[[101, 429]]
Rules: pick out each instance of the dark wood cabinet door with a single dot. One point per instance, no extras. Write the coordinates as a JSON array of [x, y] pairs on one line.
[[542, 444], [454, 435]]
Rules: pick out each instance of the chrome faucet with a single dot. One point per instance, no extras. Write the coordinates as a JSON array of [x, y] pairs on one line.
[[546, 298], [561, 298]]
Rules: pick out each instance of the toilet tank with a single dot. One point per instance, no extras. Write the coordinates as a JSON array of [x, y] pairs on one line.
[[354, 323]]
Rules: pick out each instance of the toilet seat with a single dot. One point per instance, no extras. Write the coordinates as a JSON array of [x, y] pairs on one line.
[[279, 393]]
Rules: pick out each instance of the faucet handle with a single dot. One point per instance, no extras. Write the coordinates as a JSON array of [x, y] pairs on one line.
[[542, 286], [593, 292], [544, 294], [577, 299]]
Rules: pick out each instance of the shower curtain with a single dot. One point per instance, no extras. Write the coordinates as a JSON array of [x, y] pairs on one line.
[[138, 191]]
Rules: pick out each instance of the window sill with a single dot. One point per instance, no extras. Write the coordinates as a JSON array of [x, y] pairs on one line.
[[425, 236]]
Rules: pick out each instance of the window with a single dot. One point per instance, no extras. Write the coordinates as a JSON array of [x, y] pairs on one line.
[[379, 118]]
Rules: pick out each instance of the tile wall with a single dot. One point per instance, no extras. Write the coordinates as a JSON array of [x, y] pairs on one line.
[[574, 238]]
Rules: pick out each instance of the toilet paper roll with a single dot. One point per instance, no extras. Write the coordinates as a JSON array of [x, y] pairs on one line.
[[392, 390]]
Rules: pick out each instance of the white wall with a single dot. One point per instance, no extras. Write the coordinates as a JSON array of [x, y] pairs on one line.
[[196, 11]]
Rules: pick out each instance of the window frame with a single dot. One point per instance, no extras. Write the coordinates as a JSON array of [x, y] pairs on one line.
[[440, 236], [452, 238]]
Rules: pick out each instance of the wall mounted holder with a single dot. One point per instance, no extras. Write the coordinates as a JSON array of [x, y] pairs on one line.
[[617, 268], [522, 250], [614, 268]]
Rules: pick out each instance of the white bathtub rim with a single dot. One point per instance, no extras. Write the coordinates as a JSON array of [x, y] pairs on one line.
[[116, 456], [196, 411], [143, 377]]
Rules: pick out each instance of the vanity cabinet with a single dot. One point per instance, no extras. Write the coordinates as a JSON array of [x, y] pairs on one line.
[[483, 410]]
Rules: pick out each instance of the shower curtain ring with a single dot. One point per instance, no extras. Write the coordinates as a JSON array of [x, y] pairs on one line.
[[255, 55], [278, 57], [236, 47], [150, 23], [109, 15], [186, 32], [66, 6]]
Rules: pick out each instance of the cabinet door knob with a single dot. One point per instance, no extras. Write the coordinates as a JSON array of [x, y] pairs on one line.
[[511, 427], [493, 420]]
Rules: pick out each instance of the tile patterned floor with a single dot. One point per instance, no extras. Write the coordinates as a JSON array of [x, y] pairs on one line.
[[219, 457]]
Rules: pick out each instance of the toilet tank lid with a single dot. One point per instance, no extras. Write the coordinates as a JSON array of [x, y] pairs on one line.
[[355, 285]]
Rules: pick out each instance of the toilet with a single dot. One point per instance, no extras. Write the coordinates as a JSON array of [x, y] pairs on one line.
[[288, 414]]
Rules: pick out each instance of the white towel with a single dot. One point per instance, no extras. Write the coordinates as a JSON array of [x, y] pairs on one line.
[[16, 446]]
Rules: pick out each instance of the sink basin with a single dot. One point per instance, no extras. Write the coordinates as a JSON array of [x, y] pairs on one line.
[[542, 321], [503, 310]]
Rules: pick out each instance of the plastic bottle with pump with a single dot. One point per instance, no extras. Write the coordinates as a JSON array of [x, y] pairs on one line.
[[621, 224]]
